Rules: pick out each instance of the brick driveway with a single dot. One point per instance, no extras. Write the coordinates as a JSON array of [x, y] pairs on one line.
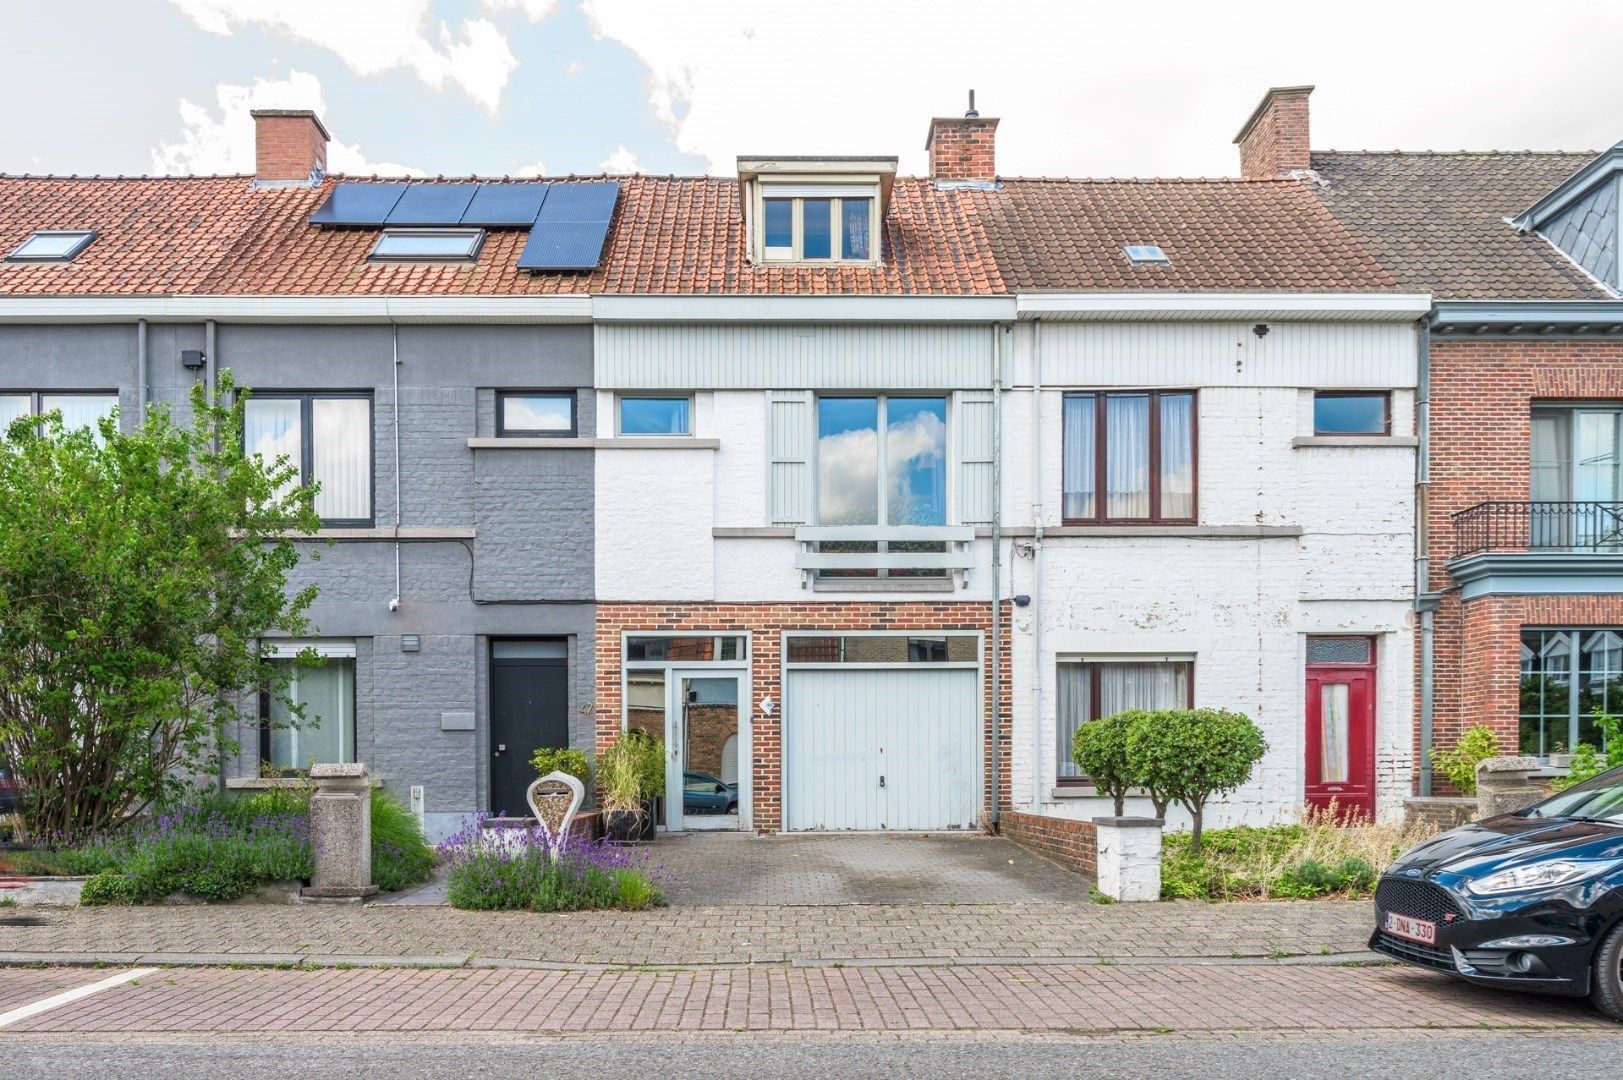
[[693, 935], [1037, 998], [739, 868]]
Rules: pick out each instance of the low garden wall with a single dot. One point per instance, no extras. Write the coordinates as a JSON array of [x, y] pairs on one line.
[[1070, 842]]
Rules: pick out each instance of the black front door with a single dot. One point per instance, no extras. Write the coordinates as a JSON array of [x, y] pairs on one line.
[[529, 709]]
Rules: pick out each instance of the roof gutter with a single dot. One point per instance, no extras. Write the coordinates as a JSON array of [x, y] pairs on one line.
[[766, 308], [1536, 318], [297, 309], [1216, 306]]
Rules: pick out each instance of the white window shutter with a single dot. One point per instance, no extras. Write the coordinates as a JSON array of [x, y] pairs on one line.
[[789, 457], [976, 449]]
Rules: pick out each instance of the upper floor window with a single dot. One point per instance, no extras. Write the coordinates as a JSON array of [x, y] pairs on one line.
[[808, 224], [1350, 413], [1129, 456], [525, 413], [656, 416], [53, 245], [78, 409], [1577, 453], [327, 437], [882, 460]]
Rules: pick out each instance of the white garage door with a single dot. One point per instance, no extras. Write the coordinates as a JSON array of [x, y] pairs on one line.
[[892, 748]]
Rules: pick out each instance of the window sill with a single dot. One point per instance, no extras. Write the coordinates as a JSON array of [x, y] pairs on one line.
[[1088, 791], [1192, 532], [891, 585], [1390, 442], [385, 533], [279, 783], [624, 442]]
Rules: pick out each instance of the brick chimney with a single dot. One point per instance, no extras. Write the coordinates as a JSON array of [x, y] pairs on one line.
[[963, 147], [1274, 141], [290, 147]]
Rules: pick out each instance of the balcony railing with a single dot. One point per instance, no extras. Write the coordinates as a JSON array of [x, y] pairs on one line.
[[1539, 526], [893, 553]]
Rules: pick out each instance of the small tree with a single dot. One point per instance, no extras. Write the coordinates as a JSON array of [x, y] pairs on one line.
[[1188, 755], [1459, 764], [566, 759], [137, 570], [1099, 749]]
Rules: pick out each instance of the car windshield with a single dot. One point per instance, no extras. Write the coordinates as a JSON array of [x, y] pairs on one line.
[[1599, 799]]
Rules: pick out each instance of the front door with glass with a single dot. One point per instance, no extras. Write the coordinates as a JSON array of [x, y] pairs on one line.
[[704, 739], [1341, 737]]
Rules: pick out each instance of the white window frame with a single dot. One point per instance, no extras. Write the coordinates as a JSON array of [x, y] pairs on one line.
[[289, 649], [797, 194], [693, 419]]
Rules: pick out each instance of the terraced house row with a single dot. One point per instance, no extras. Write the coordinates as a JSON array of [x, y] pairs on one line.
[[864, 491]]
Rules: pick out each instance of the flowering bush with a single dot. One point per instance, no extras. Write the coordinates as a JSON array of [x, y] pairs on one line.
[[508, 869], [223, 849]]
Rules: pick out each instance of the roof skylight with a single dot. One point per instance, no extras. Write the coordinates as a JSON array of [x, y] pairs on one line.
[[53, 245], [429, 245], [1146, 255]]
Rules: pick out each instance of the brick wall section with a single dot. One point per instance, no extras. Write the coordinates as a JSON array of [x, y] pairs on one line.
[[765, 622], [1071, 843], [1481, 435], [1274, 141], [289, 144], [963, 148]]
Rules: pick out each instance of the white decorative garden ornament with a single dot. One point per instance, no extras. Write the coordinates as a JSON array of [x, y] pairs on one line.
[[555, 800]]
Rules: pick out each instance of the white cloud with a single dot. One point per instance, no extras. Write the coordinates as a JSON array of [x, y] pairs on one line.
[[374, 36], [535, 168], [1104, 89], [535, 9], [622, 161], [223, 141]]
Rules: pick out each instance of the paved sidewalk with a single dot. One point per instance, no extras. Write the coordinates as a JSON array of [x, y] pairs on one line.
[[1069, 999], [691, 936]]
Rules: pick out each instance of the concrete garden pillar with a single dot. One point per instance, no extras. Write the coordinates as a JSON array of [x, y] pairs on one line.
[[1503, 785], [341, 834], [1129, 857]]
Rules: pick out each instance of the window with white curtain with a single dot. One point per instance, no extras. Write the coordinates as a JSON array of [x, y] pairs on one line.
[[326, 695], [78, 409], [1129, 456], [327, 437], [1088, 690]]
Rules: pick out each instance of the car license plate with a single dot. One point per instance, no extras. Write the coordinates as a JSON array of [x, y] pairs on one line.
[[1405, 926]]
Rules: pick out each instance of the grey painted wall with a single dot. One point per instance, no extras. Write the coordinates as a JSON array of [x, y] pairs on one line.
[[528, 572]]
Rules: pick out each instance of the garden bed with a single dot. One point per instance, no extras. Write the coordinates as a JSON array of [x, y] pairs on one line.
[[515, 869], [1312, 858]]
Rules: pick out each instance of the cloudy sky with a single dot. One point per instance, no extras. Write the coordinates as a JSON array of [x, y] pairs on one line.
[[560, 86]]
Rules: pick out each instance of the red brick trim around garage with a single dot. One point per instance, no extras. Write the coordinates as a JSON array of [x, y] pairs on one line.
[[1071, 842]]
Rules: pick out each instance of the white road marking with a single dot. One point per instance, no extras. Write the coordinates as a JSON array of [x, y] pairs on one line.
[[78, 993]]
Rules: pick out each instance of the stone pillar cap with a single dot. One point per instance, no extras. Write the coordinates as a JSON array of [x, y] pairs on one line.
[[1130, 822], [339, 771], [1509, 764]]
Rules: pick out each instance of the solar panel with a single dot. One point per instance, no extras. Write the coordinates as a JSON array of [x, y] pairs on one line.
[[496, 205], [431, 204], [592, 201], [569, 245], [358, 204]]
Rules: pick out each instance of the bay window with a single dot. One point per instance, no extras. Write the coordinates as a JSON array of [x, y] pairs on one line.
[[327, 437], [1088, 690], [1129, 456], [1566, 676]]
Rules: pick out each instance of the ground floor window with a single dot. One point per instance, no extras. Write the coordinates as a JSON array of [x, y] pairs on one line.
[[1568, 676], [1089, 689], [326, 693]]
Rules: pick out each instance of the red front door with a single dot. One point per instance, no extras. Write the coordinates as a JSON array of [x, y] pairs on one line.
[[1341, 738]]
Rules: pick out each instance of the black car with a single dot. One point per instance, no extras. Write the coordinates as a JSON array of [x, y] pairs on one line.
[[1529, 901]]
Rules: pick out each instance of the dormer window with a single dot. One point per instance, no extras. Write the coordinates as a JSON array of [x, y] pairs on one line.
[[815, 210], [53, 245], [428, 245]]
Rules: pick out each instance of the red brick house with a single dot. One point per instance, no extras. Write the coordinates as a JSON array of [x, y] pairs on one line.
[[1520, 478]]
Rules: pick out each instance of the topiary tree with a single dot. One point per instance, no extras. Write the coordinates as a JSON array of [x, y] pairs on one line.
[[137, 570], [1477, 745], [1099, 749], [1188, 755]]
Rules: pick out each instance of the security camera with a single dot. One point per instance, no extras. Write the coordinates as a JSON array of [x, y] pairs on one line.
[[394, 605]]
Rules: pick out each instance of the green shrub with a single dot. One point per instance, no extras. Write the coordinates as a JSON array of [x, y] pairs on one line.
[[1099, 749], [566, 760], [1477, 745], [1586, 765], [400, 855], [1188, 755], [486, 877], [631, 771], [107, 887]]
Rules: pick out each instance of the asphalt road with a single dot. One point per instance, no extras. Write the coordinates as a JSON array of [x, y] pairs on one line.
[[1569, 1055]]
